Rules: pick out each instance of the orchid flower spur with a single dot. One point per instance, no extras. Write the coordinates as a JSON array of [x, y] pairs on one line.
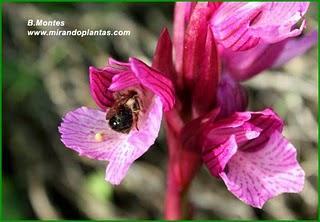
[[132, 97]]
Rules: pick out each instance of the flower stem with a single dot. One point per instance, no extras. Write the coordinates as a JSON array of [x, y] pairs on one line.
[[175, 199]]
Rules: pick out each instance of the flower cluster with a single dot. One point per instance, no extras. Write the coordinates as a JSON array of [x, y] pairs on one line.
[[196, 80]]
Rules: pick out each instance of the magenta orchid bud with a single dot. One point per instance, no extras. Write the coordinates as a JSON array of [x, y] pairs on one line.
[[231, 96], [162, 58]]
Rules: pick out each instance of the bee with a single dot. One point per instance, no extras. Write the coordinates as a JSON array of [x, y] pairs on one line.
[[125, 112]]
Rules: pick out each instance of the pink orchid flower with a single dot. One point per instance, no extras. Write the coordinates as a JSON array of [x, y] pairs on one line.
[[248, 152], [251, 36], [140, 95], [214, 46]]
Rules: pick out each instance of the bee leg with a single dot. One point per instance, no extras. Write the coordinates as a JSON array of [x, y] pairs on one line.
[[136, 121]]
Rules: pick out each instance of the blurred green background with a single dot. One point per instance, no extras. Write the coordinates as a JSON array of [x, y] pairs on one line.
[[45, 77]]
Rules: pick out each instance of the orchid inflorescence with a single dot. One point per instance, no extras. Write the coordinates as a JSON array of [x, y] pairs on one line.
[[195, 81]]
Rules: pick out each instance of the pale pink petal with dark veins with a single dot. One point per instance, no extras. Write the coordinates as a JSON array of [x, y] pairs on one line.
[[87, 132], [242, 25], [255, 177]]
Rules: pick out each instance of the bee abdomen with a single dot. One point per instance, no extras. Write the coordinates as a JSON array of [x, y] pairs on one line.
[[122, 121]]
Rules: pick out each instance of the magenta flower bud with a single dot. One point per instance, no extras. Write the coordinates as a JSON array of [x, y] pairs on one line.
[[196, 56], [162, 58], [231, 96]]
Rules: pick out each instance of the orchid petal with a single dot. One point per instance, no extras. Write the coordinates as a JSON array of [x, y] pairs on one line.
[[194, 43], [121, 76], [231, 96], [237, 125], [162, 58], [295, 47], [137, 144], [205, 89], [87, 132], [217, 158], [245, 64], [241, 26], [155, 82], [214, 6], [242, 65], [266, 120], [123, 80], [278, 19], [182, 12], [118, 64], [255, 177], [100, 80]]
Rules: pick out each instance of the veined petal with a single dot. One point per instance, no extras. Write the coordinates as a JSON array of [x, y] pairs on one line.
[[273, 169], [87, 132], [137, 144], [243, 134], [182, 12], [240, 26], [245, 64], [155, 81], [278, 19], [217, 159], [205, 89], [214, 6], [123, 80], [194, 43], [100, 80], [269, 122], [251, 129], [238, 125], [162, 58], [130, 75], [222, 138]]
